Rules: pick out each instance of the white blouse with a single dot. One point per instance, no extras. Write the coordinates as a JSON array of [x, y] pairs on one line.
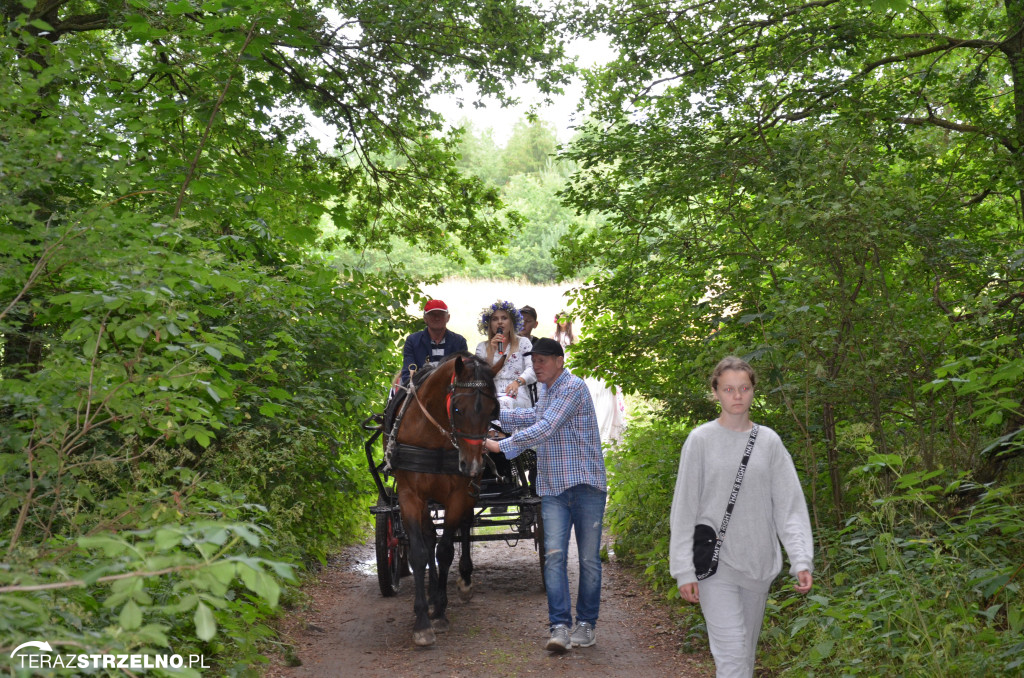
[[517, 365]]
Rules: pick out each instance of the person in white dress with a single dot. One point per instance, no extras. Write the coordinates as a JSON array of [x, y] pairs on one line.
[[608, 402], [501, 322], [610, 408]]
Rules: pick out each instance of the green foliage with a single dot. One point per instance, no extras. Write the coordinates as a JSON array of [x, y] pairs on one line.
[[193, 572], [181, 374], [782, 195], [832, 191], [536, 222], [641, 479], [480, 155], [315, 495], [906, 595], [530, 148]]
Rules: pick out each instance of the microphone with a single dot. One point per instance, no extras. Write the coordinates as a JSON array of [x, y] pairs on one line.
[[501, 344]]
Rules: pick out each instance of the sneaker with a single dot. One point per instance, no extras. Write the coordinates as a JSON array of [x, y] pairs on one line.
[[583, 635], [559, 640]]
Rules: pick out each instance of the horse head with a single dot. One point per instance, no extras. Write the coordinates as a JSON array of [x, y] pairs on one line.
[[472, 405]]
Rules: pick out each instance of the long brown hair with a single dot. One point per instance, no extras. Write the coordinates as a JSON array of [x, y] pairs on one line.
[[512, 344], [567, 332]]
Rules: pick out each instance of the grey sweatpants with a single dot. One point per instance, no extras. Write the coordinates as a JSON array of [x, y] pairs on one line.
[[733, 615]]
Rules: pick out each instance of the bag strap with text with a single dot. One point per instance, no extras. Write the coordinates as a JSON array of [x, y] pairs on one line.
[[735, 492]]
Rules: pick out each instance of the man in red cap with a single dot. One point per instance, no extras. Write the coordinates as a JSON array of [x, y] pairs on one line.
[[434, 343]]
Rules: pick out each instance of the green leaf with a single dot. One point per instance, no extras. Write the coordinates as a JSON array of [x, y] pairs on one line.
[[278, 393], [9, 504], [245, 533], [93, 575], [224, 571], [271, 409], [822, 651], [216, 535], [186, 603], [887, 5], [166, 539], [111, 546], [155, 634], [1015, 618], [201, 436], [259, 582], [206, 624], [179, 7], [131, 616]]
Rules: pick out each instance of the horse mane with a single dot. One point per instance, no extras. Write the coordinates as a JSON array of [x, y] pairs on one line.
[[479, 366]]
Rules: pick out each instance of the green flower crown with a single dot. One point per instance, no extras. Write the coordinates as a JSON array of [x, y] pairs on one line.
[[508, 307]]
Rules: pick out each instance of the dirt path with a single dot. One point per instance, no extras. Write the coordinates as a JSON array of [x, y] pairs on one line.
[[349, 629]]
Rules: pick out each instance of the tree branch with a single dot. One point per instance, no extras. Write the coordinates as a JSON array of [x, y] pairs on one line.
[[951, 44], [80, 23], [935, 120], [209, 124], [74, 583]]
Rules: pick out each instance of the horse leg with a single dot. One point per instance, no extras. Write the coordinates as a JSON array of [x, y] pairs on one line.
[[445, 555], [465, 585], [422, 633], [430, 540]]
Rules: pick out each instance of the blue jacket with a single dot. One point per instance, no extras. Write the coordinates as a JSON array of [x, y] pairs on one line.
[[417, 349]]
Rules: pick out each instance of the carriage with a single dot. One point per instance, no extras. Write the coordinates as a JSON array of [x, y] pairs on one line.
[[507, 509]]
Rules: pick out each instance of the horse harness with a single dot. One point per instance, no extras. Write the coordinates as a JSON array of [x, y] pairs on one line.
[[426, 460]]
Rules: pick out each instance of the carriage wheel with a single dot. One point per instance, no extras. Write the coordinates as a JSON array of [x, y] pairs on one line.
[[538, 543], [392, 559]]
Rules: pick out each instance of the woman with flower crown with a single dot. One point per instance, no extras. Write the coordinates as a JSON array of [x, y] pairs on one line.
[[501, 322]]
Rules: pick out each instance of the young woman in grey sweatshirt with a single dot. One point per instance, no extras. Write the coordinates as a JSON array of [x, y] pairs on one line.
[[770, 508]]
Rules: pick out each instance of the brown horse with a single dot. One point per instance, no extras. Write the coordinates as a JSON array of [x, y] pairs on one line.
[[440, 458]]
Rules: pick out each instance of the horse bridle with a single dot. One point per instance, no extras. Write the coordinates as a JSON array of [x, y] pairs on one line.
[[452, 433]]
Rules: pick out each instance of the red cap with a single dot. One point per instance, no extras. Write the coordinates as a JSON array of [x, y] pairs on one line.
[[435, 305]]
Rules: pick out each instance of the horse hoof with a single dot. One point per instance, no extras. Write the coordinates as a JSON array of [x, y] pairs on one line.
[[424, 638], [439, 625], [465, 591]]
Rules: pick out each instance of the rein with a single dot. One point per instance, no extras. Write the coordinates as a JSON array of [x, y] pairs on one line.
[[452, 433]]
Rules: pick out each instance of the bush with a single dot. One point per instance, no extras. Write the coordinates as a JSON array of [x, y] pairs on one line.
[[193, 576], [899, 595]]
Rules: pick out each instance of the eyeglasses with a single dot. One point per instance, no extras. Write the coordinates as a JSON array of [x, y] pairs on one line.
[[729, 390]]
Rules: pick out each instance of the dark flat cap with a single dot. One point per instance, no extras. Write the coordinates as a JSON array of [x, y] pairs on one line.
[[546, 346]]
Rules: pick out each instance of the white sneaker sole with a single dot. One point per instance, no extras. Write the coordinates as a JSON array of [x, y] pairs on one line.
[[554, 646]]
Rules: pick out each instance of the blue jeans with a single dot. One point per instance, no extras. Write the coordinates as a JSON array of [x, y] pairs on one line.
[[580, 508]]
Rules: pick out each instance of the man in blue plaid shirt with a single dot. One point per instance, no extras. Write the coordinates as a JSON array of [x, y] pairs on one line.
[[571, 482]]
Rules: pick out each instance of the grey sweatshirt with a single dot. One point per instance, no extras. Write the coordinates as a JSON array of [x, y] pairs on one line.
[[770, 506]]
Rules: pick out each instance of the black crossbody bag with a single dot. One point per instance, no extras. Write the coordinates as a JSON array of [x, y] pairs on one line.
[[706, 544]]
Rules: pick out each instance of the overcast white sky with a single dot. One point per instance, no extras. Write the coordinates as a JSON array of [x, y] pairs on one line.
[[562, 113]]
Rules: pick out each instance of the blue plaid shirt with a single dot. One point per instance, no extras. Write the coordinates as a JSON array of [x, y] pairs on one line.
[[563, 429]]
